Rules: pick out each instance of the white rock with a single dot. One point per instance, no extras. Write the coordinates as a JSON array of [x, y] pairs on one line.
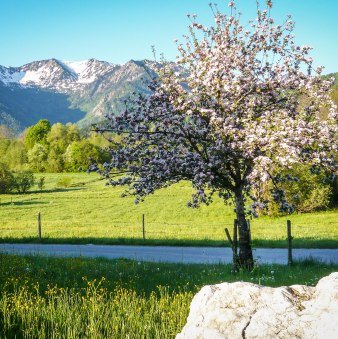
[[245, 310]]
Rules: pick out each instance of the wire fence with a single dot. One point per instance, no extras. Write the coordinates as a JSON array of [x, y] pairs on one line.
[[143, 228]]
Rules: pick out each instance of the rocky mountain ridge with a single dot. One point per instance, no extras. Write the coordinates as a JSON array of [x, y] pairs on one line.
[[68, 91], [81, 92]]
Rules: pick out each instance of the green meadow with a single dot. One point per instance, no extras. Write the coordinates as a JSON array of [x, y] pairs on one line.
[[89, 211], [100, 298]]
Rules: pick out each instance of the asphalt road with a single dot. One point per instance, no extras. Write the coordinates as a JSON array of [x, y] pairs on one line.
[[168, 253]]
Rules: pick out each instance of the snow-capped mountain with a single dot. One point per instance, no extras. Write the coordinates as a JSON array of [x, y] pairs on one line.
[[55, 73], [90, 70], [68, 91]]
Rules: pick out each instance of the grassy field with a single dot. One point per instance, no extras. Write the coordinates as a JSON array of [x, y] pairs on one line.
[[91, 212], [98, 298]]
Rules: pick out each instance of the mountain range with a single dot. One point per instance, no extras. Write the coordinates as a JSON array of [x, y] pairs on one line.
[[67, 91]]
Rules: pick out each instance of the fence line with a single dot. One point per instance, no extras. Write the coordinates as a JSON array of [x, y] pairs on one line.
[[144, 229]]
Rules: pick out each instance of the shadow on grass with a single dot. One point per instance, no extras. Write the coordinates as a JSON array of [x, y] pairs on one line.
[[37, 192], [257, 243], [24, 203], [58, 190]]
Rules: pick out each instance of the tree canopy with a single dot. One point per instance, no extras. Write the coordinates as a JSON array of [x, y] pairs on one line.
[[46, 148], [37, 133]]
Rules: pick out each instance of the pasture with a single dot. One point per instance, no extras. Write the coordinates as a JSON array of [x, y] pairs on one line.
[[88, 211]]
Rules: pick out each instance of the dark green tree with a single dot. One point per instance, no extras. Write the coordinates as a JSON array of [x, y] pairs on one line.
[[23, 181], [6, 179]]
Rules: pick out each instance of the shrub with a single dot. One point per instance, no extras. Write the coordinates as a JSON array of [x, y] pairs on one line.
[[307, 192], [64, 182], [23, 181], [6, 179], [334, 198], [41, 183]]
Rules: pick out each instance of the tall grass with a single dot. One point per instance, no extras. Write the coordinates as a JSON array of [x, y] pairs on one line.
[[100, 298], [92, 312]]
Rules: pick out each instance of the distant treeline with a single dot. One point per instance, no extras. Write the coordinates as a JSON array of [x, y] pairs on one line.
[[51, 148]]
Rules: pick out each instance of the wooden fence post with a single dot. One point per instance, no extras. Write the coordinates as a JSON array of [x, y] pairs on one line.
[[235, 249], [234, 244], [249, 229], [39, 226], [289, 239], [229, 238], [143, 228]]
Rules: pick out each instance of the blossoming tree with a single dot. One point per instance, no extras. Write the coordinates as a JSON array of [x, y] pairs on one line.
[[242, 104]]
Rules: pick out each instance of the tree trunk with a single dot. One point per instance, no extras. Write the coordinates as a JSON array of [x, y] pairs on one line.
[[245, 258]]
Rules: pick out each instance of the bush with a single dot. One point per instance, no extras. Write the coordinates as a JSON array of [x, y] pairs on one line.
[[308, 193], [6, 179], [41, 183], [334, 198], [64, 182], [23, 181]]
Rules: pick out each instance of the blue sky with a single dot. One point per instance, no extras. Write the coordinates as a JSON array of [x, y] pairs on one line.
[[120, 30]]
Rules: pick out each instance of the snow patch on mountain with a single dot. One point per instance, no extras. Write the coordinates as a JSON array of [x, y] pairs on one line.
[[77, 66], [40, 77], [9, 75], [90, 70]]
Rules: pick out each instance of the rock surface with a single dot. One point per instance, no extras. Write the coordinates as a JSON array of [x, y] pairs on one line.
[[245, 310]]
